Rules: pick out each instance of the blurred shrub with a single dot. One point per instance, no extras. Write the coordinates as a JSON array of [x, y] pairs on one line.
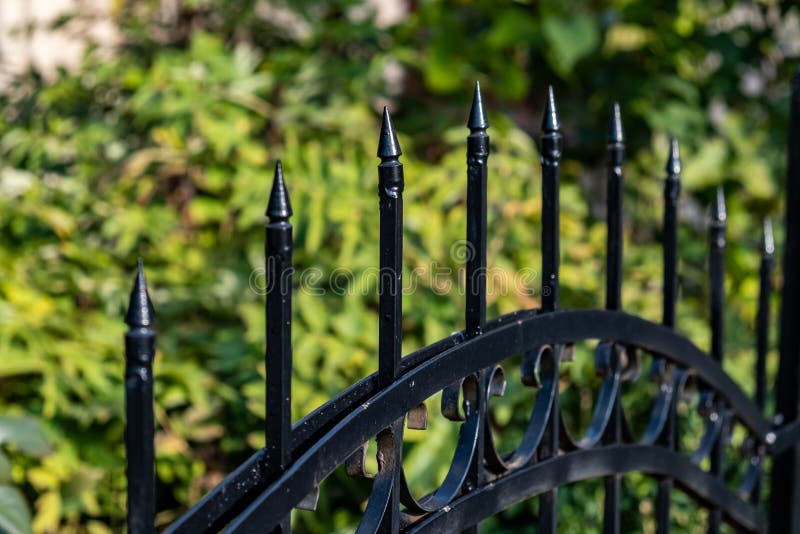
[[165, 150], [24, 435]]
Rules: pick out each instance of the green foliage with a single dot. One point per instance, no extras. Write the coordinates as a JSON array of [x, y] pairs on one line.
[[165, 150], [25, 436]]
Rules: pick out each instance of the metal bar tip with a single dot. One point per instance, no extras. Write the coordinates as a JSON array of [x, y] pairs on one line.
[[718, 211], [550, 121], [388, 146], [140, 308], [279, 207], [477, 115], [615, 134], [767, 240], [674, 159]]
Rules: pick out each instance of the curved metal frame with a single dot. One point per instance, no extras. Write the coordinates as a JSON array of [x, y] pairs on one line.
[[436, 372], [509, 335], [466, 367]]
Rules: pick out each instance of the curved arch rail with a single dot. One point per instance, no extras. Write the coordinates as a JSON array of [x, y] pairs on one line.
[[536, 479], [477, 353]]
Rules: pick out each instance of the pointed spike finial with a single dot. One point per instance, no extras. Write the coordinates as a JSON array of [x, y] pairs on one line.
[[140, 309], [550, 121], [718, 212], [279, 207], [615, 134], [767, 240], [388, 146], [477, 115], [674, 159]]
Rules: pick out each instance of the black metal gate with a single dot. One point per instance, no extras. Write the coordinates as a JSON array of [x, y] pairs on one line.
[[260, 494]]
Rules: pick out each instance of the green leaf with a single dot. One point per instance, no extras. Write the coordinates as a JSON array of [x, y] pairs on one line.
[[625, 38], [25, 434], [5, 468], [443, 70], [569, 40], [707, 166], [512, 27], [14, 515]]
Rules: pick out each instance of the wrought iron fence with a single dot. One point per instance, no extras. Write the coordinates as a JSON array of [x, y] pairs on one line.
[[481, 482]]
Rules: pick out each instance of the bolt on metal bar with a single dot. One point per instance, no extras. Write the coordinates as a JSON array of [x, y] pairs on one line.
[[613, 433], [278, 357], [717, 275], [140, 349], [391, 183], [784, 513], [551, 146], [668, 437]]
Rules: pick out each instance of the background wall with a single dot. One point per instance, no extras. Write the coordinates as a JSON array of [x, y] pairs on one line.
[[28, 38]]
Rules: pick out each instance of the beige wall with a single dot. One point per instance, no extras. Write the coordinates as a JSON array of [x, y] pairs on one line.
[[26, 40]]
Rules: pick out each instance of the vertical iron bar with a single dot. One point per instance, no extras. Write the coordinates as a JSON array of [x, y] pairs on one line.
[[390, 191], [763, 316], [672, 189], [552, 141], [762, 335], [616, 153], [278, 249], [140, 349], [551, 155], [548, 501], [477, 159], [717, 273], [784, 513], [477, 155]]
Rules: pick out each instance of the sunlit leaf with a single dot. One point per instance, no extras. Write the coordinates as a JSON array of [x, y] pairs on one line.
[[24, 434], [14, 515], [569, 39]]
